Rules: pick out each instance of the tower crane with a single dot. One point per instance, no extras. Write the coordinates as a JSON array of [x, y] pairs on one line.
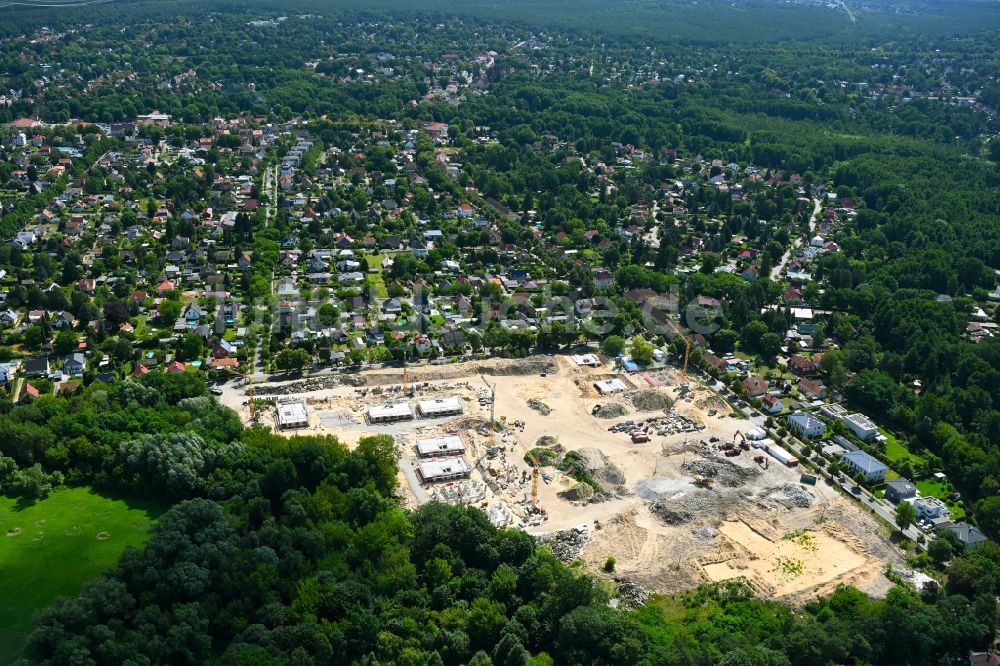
[[493, 405], [404, 371]]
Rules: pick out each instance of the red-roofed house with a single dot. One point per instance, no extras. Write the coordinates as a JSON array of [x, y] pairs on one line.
[[755, 386], [809, 388], [27, 390], [771, 403]]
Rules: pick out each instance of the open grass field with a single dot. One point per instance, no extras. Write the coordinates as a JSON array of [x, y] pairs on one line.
[[52, 547]]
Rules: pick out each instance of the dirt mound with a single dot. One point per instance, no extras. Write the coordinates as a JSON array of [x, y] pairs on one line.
[[309, 384], [706, 533], [611, 410], [670, 512], [540, 407], [631, 595], [660, 488], [577, 492], [789, 495], [712, 401], [548, 442], [565, 544], [648, 400], [530, 366], [724, 473], [606, 472]]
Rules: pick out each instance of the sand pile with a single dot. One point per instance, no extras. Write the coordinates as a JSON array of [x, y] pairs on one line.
[[606, 472], [577, 492]]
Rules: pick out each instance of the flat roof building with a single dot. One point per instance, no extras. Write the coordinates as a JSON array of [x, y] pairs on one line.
[[833, 410], [608, 386], [449, 406], [399, 411], [293, 414], [443, 469], [437, 447], [860, 425]]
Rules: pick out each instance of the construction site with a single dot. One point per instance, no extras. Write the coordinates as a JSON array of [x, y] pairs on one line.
[[653, 469]]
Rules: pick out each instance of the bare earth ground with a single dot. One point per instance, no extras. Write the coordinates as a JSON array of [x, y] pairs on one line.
[[746, 525]]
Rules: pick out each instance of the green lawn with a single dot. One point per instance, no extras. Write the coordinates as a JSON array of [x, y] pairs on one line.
[[375, 262], [933, 488], [895, 451], [52, 547]]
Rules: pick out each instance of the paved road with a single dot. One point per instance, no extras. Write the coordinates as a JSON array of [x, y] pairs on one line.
[[797, 243], [885, 510], [408, 465]]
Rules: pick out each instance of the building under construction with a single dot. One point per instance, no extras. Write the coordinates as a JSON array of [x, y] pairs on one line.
[[292, 414], [440, 447], [400, 411], [443, 469], [450, 406]]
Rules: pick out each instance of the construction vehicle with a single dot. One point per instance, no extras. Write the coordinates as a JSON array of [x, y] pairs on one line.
[[639, 438], [807, 479], [732, 453], [703, 481], [762, 461]]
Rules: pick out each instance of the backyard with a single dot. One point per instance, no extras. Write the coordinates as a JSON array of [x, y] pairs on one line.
[[895, 451], [52, 547], [941, 490]]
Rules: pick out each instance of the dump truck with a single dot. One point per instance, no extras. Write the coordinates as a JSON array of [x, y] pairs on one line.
[[808, 479]]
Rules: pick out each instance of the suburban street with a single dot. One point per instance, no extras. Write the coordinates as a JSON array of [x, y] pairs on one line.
[[797, 243]]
